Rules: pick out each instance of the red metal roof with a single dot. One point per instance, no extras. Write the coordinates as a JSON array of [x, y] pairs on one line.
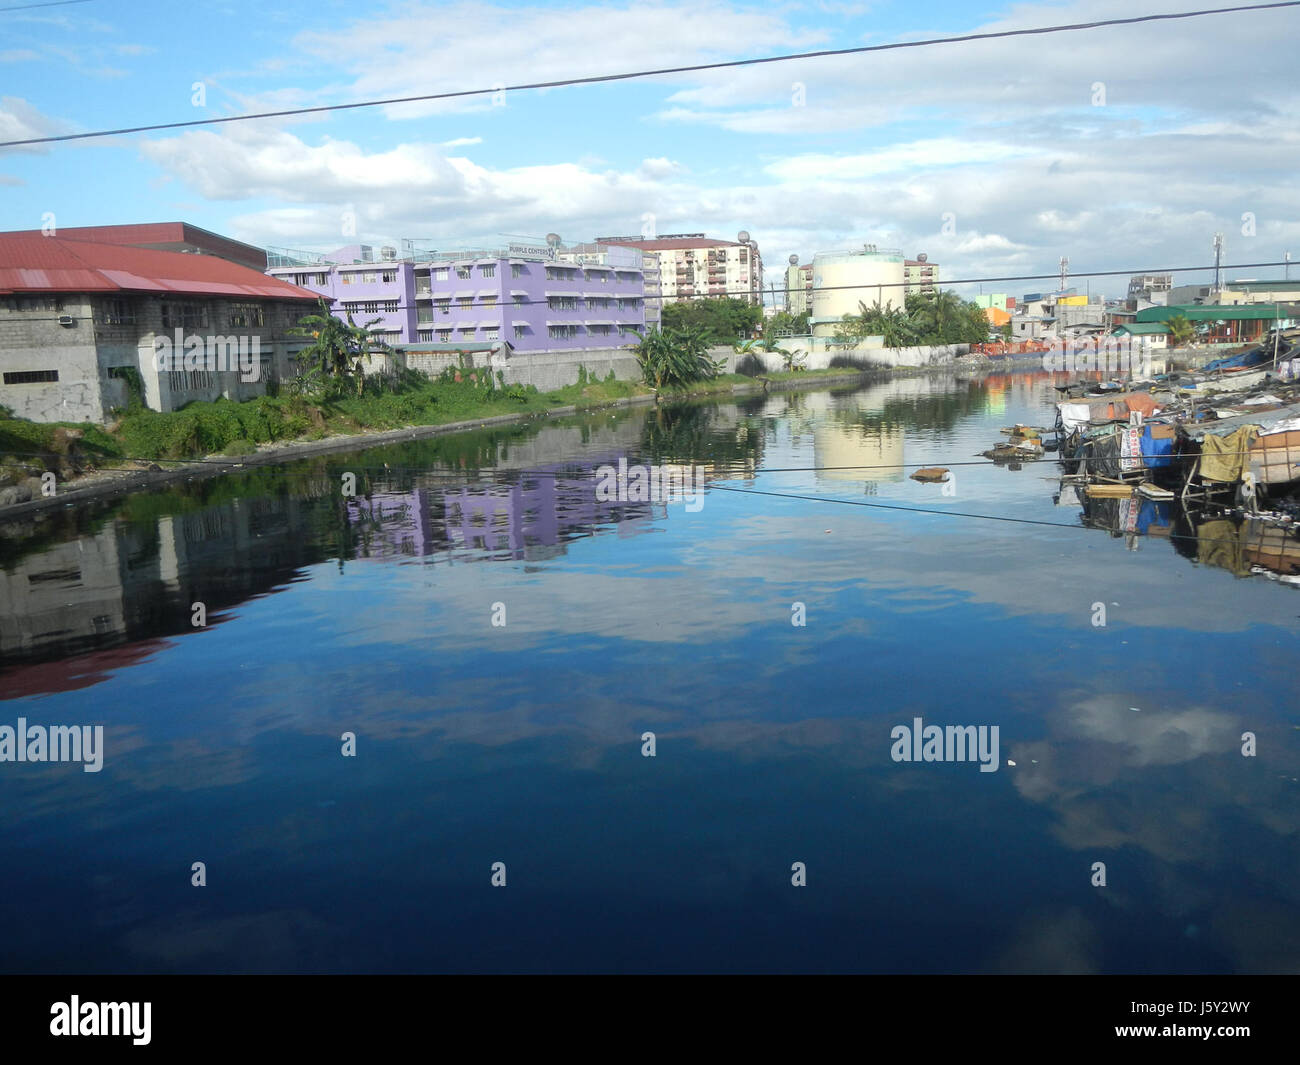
[[672, 243], [33, 263], [159, 235]]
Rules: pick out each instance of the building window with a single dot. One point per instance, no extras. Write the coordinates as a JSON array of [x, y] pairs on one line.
[[424, 316], [598, 330], [390, 306], [520, 330], [246, 315], [443, 303], [520, 300], [116, 312], [41, 303], [426, 335], [189, 380], [370, 307], [489, 301], [462, 273], [563, 331], [184, 315], [562, 303], [464, 302], [440, 273], [444, 335], [30, 377], [388, 276], [488, 271], [492, 333], [517, 270], [369, 277], [345, 279]]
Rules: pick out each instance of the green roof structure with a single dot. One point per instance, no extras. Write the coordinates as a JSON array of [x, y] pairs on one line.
[[1213, 312], [1142, 329]]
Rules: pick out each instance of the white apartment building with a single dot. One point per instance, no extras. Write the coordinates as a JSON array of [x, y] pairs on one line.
[[691, 265]]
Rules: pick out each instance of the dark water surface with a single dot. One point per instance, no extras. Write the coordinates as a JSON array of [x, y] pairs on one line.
[[521, 742]]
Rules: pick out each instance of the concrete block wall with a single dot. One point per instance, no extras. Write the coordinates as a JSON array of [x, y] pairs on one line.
[[818, 355], [33, 339]]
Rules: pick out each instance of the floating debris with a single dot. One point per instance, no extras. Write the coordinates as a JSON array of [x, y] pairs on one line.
[[931, 474]]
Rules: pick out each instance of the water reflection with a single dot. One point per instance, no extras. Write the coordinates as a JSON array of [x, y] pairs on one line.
[[522, 742]]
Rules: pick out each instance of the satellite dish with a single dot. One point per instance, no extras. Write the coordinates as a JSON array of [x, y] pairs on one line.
[[388, 253], [552, 240], [743, 236], [794, 260]]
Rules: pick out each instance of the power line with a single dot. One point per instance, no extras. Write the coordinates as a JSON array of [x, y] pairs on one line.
[[694, 68], [49, 3]]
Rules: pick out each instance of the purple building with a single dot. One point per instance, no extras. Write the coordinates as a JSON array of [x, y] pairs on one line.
[[534, 298]]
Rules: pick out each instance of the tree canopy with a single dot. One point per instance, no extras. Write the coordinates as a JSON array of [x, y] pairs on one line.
[[926, 318], [722, 320]]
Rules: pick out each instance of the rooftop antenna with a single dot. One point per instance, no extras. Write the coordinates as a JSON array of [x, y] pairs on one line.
[[1218, 259], [1065, 271]]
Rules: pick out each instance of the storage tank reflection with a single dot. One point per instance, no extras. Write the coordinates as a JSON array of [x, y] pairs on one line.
[[877, 453]]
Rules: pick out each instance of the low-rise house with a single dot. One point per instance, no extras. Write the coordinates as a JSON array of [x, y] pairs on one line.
[[1151, 334], [84, 324]]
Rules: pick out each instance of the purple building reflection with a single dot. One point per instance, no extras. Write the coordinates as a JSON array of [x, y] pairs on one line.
[[529, 518]]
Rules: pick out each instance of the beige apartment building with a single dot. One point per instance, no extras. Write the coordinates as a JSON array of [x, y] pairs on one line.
[[691, 265], [920, 275]]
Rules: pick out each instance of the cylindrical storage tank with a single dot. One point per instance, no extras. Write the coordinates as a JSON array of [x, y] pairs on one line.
[[843, 279]]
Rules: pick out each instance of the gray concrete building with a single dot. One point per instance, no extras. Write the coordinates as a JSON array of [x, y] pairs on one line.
[[83, 324]]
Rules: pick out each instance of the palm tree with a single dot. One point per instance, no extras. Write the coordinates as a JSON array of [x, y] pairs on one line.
[[675, 357], [1181, 330], [338, 347]]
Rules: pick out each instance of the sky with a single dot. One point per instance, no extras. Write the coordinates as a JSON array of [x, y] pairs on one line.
[[1122, 148]]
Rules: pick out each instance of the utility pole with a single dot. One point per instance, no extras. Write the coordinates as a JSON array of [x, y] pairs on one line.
[[1218, 259], [1287, 259], [1277, 334]]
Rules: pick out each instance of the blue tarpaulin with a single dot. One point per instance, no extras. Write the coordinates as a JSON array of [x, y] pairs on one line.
[[1253, 357], [1156, 452]]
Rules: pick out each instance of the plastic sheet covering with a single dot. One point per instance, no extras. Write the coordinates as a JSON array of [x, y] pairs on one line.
[[1157, 450], [1224, 457], [1104, 456], [1075, 415]]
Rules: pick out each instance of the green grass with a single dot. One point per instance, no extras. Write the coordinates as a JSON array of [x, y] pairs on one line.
[[29, 448], [223, 427]]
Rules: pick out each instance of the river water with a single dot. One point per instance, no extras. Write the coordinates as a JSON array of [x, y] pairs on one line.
[[498, 641]]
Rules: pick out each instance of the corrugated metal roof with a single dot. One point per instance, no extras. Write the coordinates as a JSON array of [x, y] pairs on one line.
[[1143, 328], [1212, 312], [34, 263]]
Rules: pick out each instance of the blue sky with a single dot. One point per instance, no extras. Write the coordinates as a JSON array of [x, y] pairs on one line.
[[1122, 148]]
